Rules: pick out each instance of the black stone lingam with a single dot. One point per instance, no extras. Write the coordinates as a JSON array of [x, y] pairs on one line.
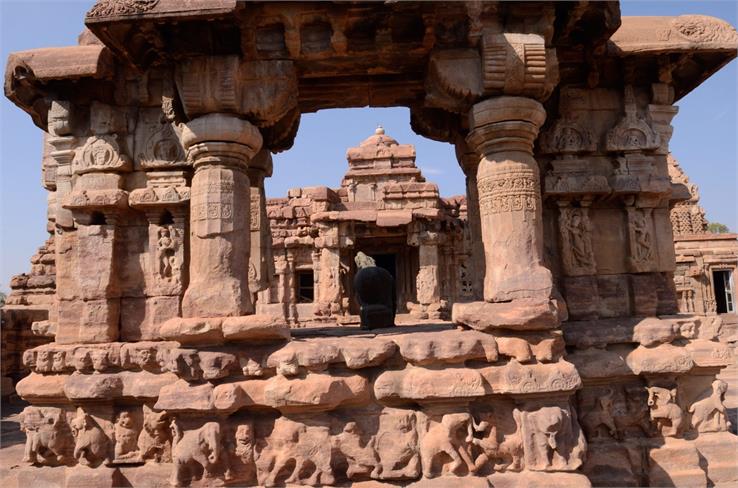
[[375, 290]]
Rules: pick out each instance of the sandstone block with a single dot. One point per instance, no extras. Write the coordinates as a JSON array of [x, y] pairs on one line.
[[86, 477], [719, 450], [533, 478], [660, 359], [522, 314], [675, 463], [183, 397], [255, 328], [42, 477], [421, 384], [144, 385], [533, 378], [93, 386], [38, 387], [601, 363], [315, 392], [709, 353], [448, 346], [200, 331], [142, 317]]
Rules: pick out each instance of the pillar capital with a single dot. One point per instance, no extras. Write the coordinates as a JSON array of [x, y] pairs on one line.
[[222, 139], [505, 124]]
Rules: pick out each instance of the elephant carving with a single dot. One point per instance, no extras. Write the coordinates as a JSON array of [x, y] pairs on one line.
[[48, 437], [664, 410], [92, 446], [195, 453], [552, 439], [451, 436]]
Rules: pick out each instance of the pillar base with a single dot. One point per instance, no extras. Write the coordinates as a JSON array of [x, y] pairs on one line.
[[522, 314]]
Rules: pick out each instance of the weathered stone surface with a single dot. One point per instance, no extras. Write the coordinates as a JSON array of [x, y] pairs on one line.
[[171, 284], [676, 462], [660, 359], [533, 378], [452, 346], [182, 396], [255, 328], [41, 387], [421, 384], [192, 330], [315, 392], [522, 314]]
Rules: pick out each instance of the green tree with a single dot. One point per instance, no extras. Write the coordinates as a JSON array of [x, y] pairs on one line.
[[717, 228]]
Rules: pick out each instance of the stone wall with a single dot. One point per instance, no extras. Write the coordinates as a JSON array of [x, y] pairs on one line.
[[569, 366]]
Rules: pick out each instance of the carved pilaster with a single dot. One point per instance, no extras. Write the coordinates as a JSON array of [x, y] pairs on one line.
[[261, 265], [220, 147], [469, 162], [503, 131]]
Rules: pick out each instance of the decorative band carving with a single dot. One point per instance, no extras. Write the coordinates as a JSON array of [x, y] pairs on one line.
[[509, 192]]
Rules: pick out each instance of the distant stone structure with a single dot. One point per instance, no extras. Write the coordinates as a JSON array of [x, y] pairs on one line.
[[706, 262], [384, 208], [568, 363]]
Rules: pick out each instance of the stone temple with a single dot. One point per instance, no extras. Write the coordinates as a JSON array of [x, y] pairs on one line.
[[178, 328]]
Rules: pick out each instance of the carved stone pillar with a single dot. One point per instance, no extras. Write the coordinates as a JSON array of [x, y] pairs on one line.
[[261, 265], [328, 274], [220, 147], [469, 162], [503, 132]]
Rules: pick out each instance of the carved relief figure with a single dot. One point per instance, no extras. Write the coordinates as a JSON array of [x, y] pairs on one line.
[[503, 454], [155, 438], [641, 238], [451, 436], [92, 445], [166, 248], [243, 448], [48, 438], [361, 457], [576, 239], [631, 414], [709, 414], [296, 453], [126, 438], [552, 439], [195, 452], [99, 359], [397, 445], [664, 410], [601, 415]]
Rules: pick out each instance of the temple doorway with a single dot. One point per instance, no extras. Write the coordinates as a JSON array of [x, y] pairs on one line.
[[724, 291], [400, 259]]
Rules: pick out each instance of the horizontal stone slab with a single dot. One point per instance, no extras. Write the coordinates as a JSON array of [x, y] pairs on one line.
[[448, 346], [523, 314], [664, 358], [648, 331], [418, 384], [515, 378], [255, 328]]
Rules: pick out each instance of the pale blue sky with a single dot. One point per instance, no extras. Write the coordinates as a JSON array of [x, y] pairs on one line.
[[704, 140]]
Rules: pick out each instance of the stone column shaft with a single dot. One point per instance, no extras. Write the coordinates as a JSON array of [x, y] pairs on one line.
[[220, 147], [469, 162], [428, 280], [508, 181]]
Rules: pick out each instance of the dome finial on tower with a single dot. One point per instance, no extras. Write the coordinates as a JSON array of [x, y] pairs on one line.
[[379, 130]]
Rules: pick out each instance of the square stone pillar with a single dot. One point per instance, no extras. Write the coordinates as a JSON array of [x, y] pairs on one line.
[[220, 147], [261, 261], [503, 130], [469, 162]]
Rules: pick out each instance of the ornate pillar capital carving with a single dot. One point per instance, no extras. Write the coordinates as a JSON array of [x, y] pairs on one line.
[[505, 124], [222, 139]]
